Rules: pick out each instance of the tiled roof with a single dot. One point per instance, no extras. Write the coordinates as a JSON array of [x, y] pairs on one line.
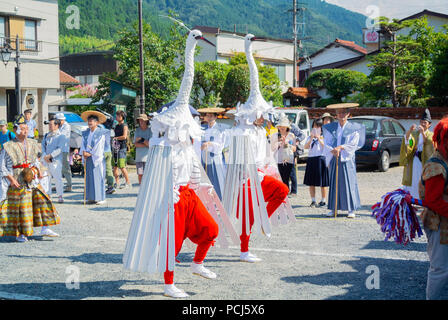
[[65, 78], [351, 44], [301, 92]]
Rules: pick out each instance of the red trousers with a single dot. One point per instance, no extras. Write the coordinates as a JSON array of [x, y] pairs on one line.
[[274, 193], [192, 221]]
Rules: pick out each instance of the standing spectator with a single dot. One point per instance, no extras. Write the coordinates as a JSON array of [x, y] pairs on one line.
[[53, 145], [327, 118], [212, 157], [342, 139], [110, 179], [416, 148], [270, 128], [433, 192], [30, 123], [92, 150], [5, 134], [65, 130], [300, 136], [141, 140], [283, 146], [316, 172], [120, 149]]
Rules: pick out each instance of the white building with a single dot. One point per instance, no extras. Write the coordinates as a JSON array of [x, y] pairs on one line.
[[375, 41], [35, 22], [339, 55], [277, 53]]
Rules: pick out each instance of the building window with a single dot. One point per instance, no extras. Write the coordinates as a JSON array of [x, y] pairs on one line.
[[280, 70], [2, 31], [30, 35]]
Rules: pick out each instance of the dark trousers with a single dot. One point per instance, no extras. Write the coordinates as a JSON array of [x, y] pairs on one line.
[[293, 178], [285, 172]]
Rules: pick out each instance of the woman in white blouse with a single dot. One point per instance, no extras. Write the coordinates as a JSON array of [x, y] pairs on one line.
[[316, 172], [283, 144]]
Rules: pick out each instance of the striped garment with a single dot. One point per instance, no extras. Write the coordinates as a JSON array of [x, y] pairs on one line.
[[24, 209]]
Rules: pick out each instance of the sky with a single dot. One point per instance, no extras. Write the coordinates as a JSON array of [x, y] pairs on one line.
[[392, 8]]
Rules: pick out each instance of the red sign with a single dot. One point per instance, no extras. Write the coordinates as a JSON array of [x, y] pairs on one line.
[[371, 36]]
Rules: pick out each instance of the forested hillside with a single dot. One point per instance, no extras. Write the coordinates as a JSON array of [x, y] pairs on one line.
[[103, 19]]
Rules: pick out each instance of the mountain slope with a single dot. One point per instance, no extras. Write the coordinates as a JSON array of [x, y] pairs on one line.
[[324, 22]]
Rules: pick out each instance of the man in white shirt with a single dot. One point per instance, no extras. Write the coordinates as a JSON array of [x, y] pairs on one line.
[[65, 130]]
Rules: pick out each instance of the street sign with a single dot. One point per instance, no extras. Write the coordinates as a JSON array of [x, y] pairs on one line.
[[120, 94]]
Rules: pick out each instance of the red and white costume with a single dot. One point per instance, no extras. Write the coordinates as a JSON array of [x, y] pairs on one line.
[[168, 209], [253, 189]]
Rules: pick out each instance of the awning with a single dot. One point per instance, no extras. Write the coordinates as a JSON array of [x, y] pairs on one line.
[[76, 102]]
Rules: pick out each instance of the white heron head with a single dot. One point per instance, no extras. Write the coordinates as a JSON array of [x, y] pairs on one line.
[[197, 35], [249, 37]]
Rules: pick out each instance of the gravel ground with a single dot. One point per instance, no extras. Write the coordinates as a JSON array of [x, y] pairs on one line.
[[314, 258]]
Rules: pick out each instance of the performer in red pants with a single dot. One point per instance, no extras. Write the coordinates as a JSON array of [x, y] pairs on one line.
[[274, 193], [192, 221]]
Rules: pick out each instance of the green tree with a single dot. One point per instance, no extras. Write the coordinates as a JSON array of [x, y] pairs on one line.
[[239, 80], [162, 71], [438, 82], [396, 65], [338, 82], [209, 78], [237, 86]]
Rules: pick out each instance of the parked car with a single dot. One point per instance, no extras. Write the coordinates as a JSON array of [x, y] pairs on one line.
[[77, 126], [383, 141], [299, 117]]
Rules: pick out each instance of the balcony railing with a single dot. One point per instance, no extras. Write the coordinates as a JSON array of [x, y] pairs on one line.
[[24, 44]]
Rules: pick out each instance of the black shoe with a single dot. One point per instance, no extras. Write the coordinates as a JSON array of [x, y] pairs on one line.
[[313, 204], [110, 190], [322, 204]]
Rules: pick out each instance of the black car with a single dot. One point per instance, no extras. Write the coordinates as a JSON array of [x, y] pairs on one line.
[[384, 136]]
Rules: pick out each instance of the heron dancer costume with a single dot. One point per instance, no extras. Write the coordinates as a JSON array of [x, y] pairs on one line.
[[28, 206], [252, 193], [352, 137], [168, 210], [413, 155]]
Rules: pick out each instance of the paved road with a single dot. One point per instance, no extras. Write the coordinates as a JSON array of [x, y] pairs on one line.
[[314, 258]]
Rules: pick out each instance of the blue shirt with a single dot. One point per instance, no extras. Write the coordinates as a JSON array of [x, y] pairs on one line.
[[6, 137], [31, 127], [53, 143]]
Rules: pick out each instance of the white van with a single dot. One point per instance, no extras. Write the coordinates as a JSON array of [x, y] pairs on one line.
[[299, 116]]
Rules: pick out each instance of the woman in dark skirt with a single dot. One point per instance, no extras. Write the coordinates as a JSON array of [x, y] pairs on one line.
[[316, 173]]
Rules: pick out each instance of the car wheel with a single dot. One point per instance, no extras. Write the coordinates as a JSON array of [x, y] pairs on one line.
[[384, 162]]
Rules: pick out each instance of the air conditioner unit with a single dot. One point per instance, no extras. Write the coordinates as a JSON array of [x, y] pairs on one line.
[[30, 101]]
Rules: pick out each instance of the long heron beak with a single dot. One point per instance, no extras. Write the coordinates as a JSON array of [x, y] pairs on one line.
[[258, 39], [202, 38]]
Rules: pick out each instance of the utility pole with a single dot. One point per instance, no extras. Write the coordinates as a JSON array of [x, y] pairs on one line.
[[142, 67], [294, 23], [17, 71], [294, 11]]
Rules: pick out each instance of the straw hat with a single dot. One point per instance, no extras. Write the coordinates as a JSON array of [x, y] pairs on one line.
[[86, 114], [343, 106], [327, 115], [143, 117], [211, 110], [284, 122]]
